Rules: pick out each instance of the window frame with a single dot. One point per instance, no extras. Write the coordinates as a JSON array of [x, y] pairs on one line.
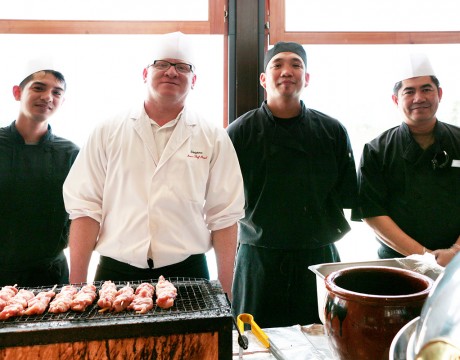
[[360, 234], [216, 24], [277, 10]]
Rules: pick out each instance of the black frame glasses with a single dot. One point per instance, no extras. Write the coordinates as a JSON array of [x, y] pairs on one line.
[[164, 65], [440, 160]]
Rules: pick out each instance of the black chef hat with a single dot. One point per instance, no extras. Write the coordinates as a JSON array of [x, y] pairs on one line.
[[285, 47]]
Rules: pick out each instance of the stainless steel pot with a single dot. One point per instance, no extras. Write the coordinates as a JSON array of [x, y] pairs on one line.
[[436, 333]]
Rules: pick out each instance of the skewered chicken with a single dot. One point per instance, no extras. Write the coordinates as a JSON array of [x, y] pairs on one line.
[[16, 305], [107, 294], [6, 293], [23, 302], [143, 299], [83, 298], [61, 303], [123, 299], [38, 304], [166, 293]]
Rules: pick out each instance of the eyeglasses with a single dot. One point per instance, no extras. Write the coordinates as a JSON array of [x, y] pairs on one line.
[[164, 65], [440, 160]]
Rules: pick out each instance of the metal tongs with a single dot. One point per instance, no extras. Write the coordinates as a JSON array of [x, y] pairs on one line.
[[259, 333]]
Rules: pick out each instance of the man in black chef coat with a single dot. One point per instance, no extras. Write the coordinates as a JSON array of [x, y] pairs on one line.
[[409, 176], [33, 166], [299, 174]]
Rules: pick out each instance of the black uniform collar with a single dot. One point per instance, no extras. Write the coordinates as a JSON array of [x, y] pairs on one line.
[[303, 110], [412, 150], [19, 139], [279, 136]]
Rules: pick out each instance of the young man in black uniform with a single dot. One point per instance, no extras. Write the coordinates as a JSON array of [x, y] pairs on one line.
[[299, 174], [33, 166]]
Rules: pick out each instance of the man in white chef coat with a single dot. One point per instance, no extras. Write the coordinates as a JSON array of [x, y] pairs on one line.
[[156, 187]]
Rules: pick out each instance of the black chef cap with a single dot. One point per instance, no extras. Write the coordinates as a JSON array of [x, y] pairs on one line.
[[285, 47]]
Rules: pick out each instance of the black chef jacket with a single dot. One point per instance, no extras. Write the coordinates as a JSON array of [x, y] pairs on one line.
[[33, 220], [297, 182], [397, 179]]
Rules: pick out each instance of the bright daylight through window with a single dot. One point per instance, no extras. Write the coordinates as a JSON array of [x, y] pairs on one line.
[[104, 75], [183, 10], [349, 82], [365, 15], [354, 83]]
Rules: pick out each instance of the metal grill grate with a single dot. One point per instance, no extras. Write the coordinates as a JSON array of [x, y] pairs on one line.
[[193, 295]]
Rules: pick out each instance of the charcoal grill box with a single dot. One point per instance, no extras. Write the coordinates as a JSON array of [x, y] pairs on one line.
[[198, 326]]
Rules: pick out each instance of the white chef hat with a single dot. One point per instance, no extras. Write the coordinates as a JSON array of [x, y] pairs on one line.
[[174, 45], [413, 65], [33, 65]]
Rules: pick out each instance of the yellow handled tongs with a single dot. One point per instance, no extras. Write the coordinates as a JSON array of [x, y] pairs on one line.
[[259, 334]]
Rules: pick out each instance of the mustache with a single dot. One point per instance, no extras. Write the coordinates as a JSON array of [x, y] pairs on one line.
[[420, 106]]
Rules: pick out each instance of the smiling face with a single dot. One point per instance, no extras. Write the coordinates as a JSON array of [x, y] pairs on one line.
[[40, 97], [285, 76], [169, 84], [418, 100]]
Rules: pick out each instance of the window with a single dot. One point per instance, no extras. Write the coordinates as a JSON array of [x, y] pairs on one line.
[[104, 59], [364, 22], [104, 75], [139, 10], [350, 46], [353, 83], [367, 16]]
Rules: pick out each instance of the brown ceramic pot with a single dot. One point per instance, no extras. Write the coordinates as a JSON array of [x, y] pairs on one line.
[[366, 307]]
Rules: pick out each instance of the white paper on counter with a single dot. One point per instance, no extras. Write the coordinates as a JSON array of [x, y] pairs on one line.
[[295, 342]]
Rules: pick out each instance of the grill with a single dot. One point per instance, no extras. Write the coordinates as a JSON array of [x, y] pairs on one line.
[[193, 295], [200, 307]]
